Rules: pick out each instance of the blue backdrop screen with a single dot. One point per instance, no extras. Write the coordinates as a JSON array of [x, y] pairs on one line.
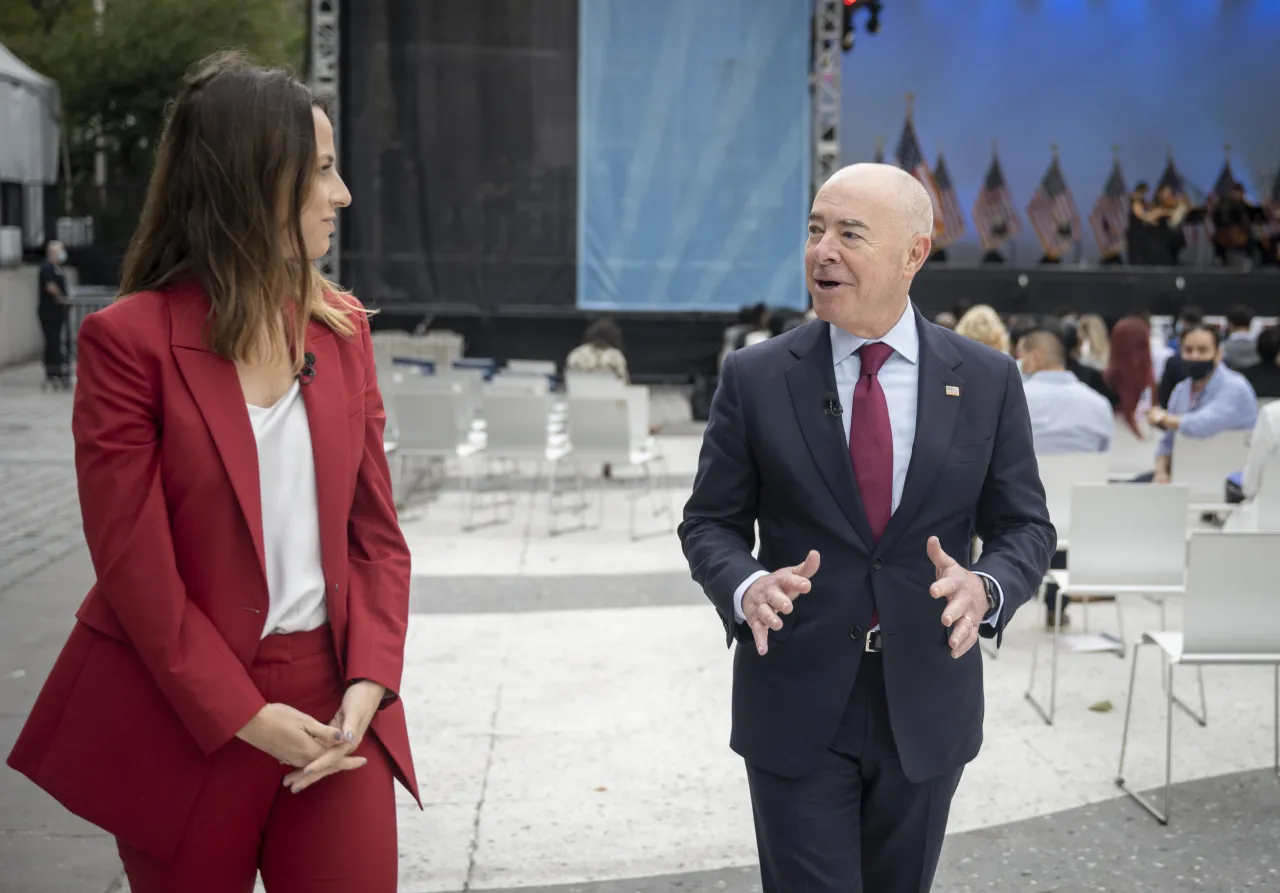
[[694, 134]]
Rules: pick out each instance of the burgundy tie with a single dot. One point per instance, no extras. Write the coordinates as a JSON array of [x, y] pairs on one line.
[[871, 442]]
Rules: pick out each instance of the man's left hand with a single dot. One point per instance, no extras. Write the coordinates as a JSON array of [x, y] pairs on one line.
[[359, 705], [966, 598]]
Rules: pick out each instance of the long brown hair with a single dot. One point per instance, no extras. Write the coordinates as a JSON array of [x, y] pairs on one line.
[[1129, 371], [234, 168]]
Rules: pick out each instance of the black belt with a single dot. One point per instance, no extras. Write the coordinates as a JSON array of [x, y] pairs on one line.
[[874, 642]]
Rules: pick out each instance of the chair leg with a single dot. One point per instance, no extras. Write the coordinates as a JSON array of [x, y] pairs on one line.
[[1120, 627], [1048, 715], [1203, 717], [1161, 814]]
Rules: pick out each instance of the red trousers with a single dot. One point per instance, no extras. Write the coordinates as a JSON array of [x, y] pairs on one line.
[[337, 835]]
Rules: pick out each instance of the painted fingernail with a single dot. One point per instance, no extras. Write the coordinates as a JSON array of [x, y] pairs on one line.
[[306, 772], [296, 788], [351, 736], [337, 736]]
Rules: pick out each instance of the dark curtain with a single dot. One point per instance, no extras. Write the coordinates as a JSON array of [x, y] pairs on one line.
[[459, 144]]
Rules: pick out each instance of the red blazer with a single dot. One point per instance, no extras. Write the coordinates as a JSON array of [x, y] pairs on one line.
[[153, 678]]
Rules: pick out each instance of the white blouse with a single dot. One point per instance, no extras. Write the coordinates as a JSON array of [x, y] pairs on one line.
[[290, 515]]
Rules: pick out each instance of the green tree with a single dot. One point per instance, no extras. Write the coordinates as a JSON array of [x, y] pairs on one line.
[[118, 71]]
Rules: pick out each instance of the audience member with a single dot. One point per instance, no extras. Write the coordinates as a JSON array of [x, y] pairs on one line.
[[1095, 347], [1067, 416], [1265, 376], [946, 319], [1175, 370], [1212, 399], [1087, 374], [760, 330], [1129, 373], [600, 350], [981, 323], [1240, 350], [1264, 447]]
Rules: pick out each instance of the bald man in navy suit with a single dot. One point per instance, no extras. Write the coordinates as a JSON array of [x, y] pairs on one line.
[[870, 446]]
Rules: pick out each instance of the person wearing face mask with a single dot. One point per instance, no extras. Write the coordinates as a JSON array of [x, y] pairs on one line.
[[1212, 399], [53, 307]]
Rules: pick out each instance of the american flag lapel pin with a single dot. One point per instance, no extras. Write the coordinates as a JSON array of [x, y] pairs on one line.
[[953, 391]]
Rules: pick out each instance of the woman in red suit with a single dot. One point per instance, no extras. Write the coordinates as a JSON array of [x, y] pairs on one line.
[[226, 702]]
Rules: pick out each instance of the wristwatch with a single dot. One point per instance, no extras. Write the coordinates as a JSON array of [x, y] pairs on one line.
[[993, 600]]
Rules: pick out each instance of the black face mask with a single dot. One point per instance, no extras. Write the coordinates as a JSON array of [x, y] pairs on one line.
[[1199, 369]]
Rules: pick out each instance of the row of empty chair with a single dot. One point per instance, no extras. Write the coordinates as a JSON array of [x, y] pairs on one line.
[[1128, 541], [474, 418]]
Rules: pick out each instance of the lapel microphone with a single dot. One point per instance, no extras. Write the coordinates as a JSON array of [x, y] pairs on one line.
[[832, 405], [308, 373]]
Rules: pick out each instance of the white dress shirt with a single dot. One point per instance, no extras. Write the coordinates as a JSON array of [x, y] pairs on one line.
[[290, 515], [900, 381]]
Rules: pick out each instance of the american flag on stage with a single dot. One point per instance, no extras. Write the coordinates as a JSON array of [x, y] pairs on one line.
[[911, 159], [994, 214], [1223, 185], [1110, 215], [1053, 212], [952, 216]]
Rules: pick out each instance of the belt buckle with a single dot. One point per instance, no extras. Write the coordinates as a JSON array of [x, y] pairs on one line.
[[873, 643]]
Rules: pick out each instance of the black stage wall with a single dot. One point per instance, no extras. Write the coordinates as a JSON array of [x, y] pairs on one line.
[[459, 142]]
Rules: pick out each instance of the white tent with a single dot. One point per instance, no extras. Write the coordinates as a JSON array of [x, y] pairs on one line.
[[30, 112], [30, 115]]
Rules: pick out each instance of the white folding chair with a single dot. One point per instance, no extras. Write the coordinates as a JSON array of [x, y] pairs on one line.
[[1203, 463], [1127, 539], [615, 430], [532, 367], [593, 384], [1230, 618], [1059, 473], [517, 429], [434, 423]]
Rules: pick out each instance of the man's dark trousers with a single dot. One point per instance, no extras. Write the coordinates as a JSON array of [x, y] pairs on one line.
[[854, 823]]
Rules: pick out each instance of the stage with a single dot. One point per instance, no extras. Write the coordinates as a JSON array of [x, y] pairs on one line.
[[679, 347]]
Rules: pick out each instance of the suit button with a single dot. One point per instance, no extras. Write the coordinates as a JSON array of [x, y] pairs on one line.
[[877, 564], [855, 633]]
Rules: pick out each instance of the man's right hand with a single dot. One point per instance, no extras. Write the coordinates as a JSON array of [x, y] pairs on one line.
[[289, 735], [773, 595]]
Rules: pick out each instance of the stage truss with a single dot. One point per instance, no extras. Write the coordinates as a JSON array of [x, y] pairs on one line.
[[325, 70], [828, 29]]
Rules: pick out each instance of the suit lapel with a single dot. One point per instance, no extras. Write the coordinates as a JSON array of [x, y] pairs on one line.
[[936, 413], [809, 380], [215, 387], [326, 401]]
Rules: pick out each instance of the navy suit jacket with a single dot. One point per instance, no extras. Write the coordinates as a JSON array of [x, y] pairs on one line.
[[772, 455]]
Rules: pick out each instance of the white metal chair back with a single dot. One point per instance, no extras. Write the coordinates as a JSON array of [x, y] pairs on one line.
[[610, 429], [515, 423], [1203, 463], [431, 417], [532, 367], [1128, 536], [531, 384], [594, 384], [1231, 597], [1059, 473]]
